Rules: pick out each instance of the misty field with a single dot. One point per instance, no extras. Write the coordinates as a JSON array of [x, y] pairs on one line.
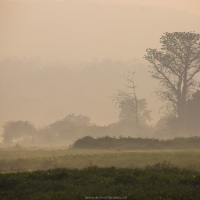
[[12, 160]]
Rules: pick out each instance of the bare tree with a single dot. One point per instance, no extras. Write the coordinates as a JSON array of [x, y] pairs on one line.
[[132, 108], [176, 66]]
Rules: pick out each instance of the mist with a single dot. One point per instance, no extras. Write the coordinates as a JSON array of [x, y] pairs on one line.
[[43, 94], [64, 57]]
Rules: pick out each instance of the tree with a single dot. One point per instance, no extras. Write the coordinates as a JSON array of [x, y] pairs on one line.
[[67, 129], [78, 120], [132, 109], [193, 113], [176, 66], [128, 108], [18, 132]]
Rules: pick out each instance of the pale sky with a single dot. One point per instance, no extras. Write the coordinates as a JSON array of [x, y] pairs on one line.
[[192, 6], [80, 30]]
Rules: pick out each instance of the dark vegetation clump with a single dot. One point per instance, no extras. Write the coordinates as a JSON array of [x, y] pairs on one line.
[[128, 143], [140, 184]]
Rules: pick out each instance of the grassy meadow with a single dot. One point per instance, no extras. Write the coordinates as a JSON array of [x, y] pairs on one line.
[[101, 183], [50, 174]]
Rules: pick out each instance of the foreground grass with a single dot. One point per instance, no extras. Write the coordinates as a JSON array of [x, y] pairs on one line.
[[152, 183], [13, 160]]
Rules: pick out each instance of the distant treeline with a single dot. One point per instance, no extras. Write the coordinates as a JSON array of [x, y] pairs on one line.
[[64, 132], [128, 143]]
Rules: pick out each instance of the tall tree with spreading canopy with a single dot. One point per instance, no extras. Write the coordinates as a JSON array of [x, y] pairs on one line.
[[176, 67]]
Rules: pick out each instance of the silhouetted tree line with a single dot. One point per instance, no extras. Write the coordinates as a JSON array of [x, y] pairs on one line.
[[62, 132], [73, 126], [129, 143]]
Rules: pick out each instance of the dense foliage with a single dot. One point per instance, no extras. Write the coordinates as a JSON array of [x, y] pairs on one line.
[[152, 183]]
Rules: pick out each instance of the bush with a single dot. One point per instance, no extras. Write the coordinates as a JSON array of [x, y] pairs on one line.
[[128, 143]]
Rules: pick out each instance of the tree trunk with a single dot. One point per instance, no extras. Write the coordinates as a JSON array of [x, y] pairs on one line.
[[181, 114]]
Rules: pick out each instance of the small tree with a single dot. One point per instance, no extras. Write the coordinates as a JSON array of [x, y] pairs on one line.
[[132, 108], [61, 131], [128, 108], [176, 66], [18, 132]]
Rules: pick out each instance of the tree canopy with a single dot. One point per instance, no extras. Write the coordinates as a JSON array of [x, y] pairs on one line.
[[18, 131], [176, 66]]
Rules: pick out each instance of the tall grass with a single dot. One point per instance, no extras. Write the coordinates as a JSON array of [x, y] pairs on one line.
[[30, 160]]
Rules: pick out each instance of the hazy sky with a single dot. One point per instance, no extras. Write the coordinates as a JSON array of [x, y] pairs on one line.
[[192, 6], [79, 30], [43, 33]]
